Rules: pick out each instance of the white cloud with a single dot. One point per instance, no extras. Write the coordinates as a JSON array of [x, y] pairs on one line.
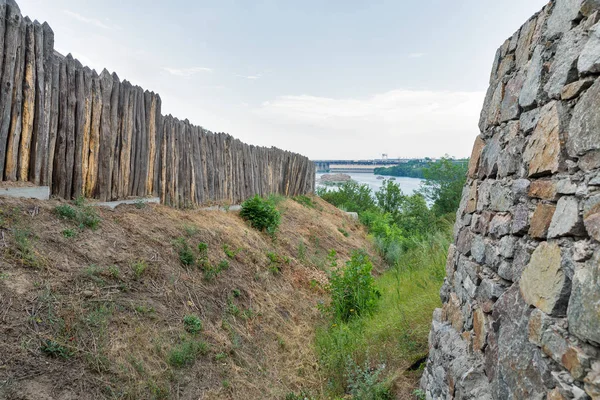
[[187, 72], [90, 21], [408, 122], [250, 77], [417, 55]]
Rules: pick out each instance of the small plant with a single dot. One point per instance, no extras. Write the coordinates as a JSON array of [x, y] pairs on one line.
[[262, 214], [192, 324], [65, 211], [84, 216], [190, 230], [365, 383], [24, 249], [232, 308], [114, 271], [69, 233], [139, 267], [236, 293], [186, 353], [419, 394], [229, 252], [223, 265], [186, 255], [145, 309], [226, 384], [303, 395], [140, 204], [220, 356], [54, 349], [301, 251], [343, 232]]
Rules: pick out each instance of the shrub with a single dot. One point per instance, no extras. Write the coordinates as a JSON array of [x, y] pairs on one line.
[[84, 216], [69, 233], [261, 214], [192, 324], [353, 291], [365, 383]]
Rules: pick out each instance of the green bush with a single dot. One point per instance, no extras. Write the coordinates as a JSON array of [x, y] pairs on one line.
[[350, 196], [262, 214], [192, 324], [365, 383], [84, 216], [353, 291]]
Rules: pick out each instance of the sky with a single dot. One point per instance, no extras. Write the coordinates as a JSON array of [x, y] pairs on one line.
[[334, 79]]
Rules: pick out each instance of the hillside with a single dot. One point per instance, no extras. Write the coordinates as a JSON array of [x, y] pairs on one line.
[[99, 313]]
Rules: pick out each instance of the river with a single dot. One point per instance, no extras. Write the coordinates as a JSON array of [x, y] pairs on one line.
[[408, 185]]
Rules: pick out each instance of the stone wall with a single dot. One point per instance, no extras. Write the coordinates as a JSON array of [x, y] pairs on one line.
[[521, 313], [64, 126]]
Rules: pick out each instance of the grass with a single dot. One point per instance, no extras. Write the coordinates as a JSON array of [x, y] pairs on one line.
[[186, 353], [395, 334], [138, 268], [192, 324], [24, 248], [305, 201], [83, 215]]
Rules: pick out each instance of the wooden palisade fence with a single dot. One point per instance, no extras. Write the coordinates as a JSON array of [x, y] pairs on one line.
[[62, 125]]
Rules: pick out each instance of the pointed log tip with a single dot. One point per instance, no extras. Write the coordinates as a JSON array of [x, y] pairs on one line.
[[27, 20]]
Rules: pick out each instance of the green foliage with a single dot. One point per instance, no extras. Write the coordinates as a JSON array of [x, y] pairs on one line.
[[54, 349], [410, 169], [305, 201], [138, 268], [350, 196], [229, 252], [353, 291], [186, 352], [186, 255], [192, 324], [301, 251], [140, 204], [69, 233], [344, 232], [83, 215], [262, 214], [419, 394], [303, 395], [365, 383], [443, 184], [223, 265], [23, 249]]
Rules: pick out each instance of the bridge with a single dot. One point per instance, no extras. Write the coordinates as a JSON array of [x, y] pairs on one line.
[[356, 165]]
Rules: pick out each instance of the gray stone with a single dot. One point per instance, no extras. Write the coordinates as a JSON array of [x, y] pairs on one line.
[[529, 120], [501, 197], [564, 68], [589, 59], [505, 270], [589, 161], [478, 248], [501, 225], [489, 289], [510, 157], [523, 47], [492, 256], [506, 248], [520, 224], [574, 89], [509, 108], [588, 7], [520, 188], [562, 17], [488, 165], [520, 369], [565, 186], [566, 220], [532, 88], [584, 130], [591, 204], [450, 262], [582, 251], [592, 381], [463, 244], [584, 311], [483, 194], [544, 283], [544, 151], [595, 181]]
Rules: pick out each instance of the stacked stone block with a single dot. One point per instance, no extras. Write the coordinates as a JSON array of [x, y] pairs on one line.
[[521, 312]]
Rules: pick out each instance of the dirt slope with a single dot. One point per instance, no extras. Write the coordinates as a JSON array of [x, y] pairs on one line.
[[100, 314]]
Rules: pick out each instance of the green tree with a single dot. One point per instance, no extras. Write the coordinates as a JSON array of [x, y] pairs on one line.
[[443, 184], [350, 196], [390, 198]]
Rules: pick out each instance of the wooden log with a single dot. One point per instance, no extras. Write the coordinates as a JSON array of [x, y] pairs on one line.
[[40, 138], [163, 162], [3, 19], [123, 182], [28, 102], [48, 74], [159, 147], [142, 161], [87, 128], [93, 158], [80, 135], [53, 132], [70, 132], [134, 141], [60, 167], [11, 40], [151, 103], [105, 147], [115, 98], [16, 125]]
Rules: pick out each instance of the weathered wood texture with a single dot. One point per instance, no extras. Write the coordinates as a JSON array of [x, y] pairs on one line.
[[65, 126]]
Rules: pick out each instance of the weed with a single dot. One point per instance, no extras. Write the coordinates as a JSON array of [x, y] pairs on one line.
[[305, 201], [343, 232], [24, 250], [139, 267], [69, 233], [65, 211], [303, 395], [248, 313], [225, 383], [262, 214], [232, 308], [236, 293], [145, 309], [229, 252], [190, 230], [223, 265], [419, 394], [3, 276], [186, 255], [114, 271], [84, 216], [365, 383], [301, 251], [192, 324], [220, 356], [54, 349], [140, 204], [186, 352]]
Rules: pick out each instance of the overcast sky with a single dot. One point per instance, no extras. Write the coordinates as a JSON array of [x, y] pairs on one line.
[[334, 79]]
